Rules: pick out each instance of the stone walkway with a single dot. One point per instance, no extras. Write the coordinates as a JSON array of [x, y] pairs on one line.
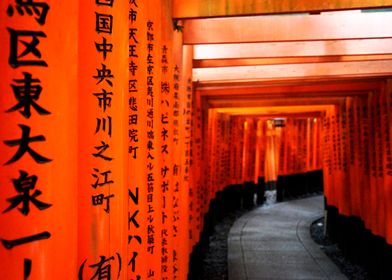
[[273, 242]]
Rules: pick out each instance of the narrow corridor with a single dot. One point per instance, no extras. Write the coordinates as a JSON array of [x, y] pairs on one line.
[[128, 129], [274, 242]]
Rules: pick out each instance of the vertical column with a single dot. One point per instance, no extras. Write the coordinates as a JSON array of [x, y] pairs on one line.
[[380, 102], [166, 136], [233, 151], [361, 154], [270, 153], [387, 119], [377, 170], [185, 132], [316, 147], [137, 141], [103, 195], [277, 139], [252, 149], [204, 157], [258, 150], [302, 141], [197, 162], [215, 142], [327, 155], [364, 186], [352, 156], [373, 201], [153, 223], [356, 156], [295, 148], [344, 151], [308, 153], [187, 161], [339, 174], [270, 166], [177, 57], [241, 149], [282, 152], [334, 154], [245, 153], [335, 184], [38, 103]]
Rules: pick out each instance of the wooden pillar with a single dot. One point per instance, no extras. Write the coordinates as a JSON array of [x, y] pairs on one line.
[[245, 151], [345, 185], [103, 186], [364, 159], [153, 200], [185, 132], [327, 155], [177, 68], [387, 113], [38, 113], [197, 175], [352, 156], [258, 149], [372, 183], [166, 136], [282, 151], [137, 141], [270, 153], [381, 130]]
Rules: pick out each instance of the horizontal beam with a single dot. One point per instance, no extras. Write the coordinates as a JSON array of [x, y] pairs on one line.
[[315, 101], [286, 96], [273, 109], [276, 72], [294, 115], [326, 88], [283, 28], [374, 81], [219, 8], [286, 60], [294, 49]]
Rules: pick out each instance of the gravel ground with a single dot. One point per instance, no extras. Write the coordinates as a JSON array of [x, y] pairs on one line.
[[215, 260], [351, 270]]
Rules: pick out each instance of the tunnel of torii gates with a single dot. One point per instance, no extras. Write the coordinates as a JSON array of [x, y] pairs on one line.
[[122, 120]]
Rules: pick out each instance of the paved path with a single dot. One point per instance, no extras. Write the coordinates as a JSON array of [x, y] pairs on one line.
[[273, 242]]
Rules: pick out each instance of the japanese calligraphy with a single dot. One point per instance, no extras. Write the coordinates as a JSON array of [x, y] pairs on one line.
[[24, 147], [9, 244], [100, 150], [104, 74], [99, 199], [102, 270], [29, 7], [27, 92], [104, 47], [31, 53], [104, 23], [105, 176], [24, 185], [25, 50]]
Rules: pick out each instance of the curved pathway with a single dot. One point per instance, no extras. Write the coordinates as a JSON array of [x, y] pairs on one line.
[[273, 242]]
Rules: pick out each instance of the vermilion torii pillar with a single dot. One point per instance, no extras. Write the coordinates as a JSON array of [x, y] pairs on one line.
[[103, 111], [38, 113]]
